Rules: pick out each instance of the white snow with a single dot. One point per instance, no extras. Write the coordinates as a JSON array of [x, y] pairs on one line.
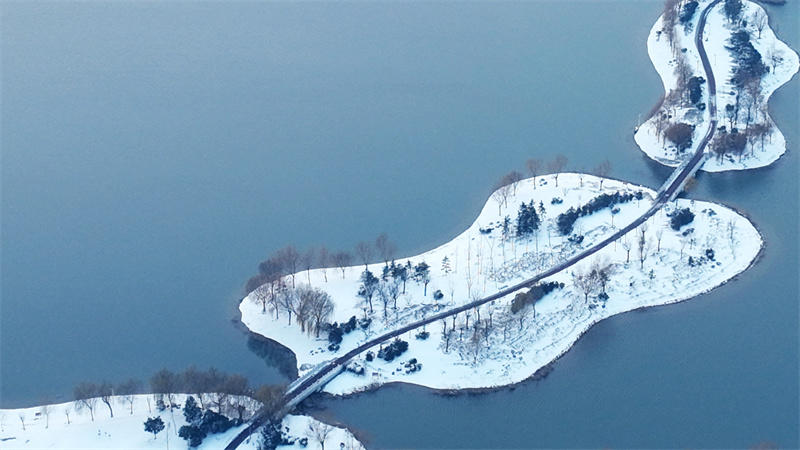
[[125, 430], [482, 264], [716, 34]]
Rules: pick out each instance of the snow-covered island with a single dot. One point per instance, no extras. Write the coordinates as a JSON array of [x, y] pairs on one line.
[[749, 63], [65, 426], [687, 248]]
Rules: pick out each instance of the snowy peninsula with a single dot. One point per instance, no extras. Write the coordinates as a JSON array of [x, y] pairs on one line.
[[749, 63], [687, 248], [62, 426]]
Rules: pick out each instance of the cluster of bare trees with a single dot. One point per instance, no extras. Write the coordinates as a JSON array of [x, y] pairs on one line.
[[593, 280], [284, 266], [311, 306], [229, 394]]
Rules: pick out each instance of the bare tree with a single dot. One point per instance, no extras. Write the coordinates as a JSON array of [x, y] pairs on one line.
[[85, 395], [447, 336], [165, 383], [364, 253], [385, 248], [669, 19], [321, 308], [261, 296], [760, 21], [22, 419], [342, 260], [272, 272], [45, 411], [534, 166], [67, 410], [105, 390], [387, 290], [774, 56], [500, 194], [323, 260], [659, 236], [643, 245], [270, 397], [556, 166], [319, 432], [602, 170], [513, 178], [626, 244], [731, 227], [288, 300], [289, 260], [754, 99], [475, 344], [586, 282], [302, 307], [128, 390], [307, 260]]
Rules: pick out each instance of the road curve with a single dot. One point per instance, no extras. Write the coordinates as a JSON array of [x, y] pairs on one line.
[[662, 198]]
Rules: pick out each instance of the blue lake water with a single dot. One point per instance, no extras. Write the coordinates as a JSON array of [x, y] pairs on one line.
[[153, 154]]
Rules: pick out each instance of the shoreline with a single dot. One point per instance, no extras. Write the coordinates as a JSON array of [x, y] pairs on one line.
[[347, 384]]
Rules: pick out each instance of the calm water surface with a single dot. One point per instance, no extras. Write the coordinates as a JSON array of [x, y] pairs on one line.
[[152, 154]]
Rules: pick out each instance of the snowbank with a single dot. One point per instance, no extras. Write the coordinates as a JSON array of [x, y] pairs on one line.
[[126, 430], [480, 262], [717, 31]]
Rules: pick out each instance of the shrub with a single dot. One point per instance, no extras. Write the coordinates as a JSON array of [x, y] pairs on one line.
[[194, 435], [335, 334], [680, 218], [214, 423], [438, 295], [350, 325], [393, 350], [565, 221], [695, 88], [370, 356], [687, 12], [534, 294]]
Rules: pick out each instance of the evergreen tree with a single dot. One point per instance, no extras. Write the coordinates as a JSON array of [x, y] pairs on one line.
[[153, 425], [191, 411], [527, 219], [400, 272], [369, 284], [422, 274]]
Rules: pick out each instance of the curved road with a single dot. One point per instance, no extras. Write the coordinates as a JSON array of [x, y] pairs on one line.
[[663, 197]]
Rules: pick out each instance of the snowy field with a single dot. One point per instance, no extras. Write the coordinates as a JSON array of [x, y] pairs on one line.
[[126, 430], [481, 263], [782, 61]]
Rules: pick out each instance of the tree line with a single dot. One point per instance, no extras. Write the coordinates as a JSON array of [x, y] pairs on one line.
[[229, 394]]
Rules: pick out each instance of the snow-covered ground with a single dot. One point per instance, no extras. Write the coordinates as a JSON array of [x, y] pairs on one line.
[[480, 263], [126, 430], [782, 61]]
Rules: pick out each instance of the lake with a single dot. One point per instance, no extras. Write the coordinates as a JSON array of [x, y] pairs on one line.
[[153, 154]]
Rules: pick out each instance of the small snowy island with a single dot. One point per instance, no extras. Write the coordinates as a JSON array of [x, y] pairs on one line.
[[687, 248], [749, 63]]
